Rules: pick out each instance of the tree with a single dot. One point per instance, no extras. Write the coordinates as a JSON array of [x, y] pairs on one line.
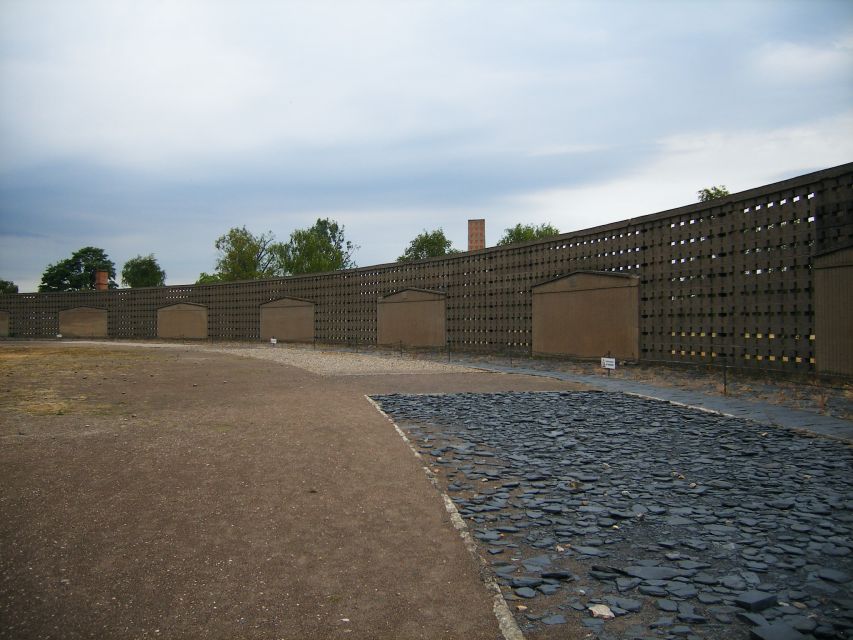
[[143, 271], [77, 273], [428, 244], [712, 193], [7, 286], [321, 247], [243, 256], [525, 232]]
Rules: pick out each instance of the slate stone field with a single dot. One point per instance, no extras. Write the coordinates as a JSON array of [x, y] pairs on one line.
[[637, 518]]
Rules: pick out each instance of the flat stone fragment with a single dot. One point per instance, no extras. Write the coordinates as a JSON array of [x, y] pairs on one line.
[[833, 575], [525, 592], [626, 584], [557, 575], [775, 631], [667, 605], [755, 600], [555, 619], [523, 581], [753, 619], [803, 624], [652, 573], [662, 623], [624, 603]]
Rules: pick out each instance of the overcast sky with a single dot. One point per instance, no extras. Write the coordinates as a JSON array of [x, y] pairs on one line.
[[154, 127]]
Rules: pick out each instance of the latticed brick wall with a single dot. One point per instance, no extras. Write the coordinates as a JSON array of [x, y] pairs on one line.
[[726, 279]]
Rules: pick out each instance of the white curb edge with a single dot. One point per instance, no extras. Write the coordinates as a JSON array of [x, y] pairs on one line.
[[506, 622]]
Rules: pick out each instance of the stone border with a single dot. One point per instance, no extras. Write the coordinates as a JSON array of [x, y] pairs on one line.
[[508, 626]]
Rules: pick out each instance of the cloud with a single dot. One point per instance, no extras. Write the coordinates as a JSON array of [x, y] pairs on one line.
[[157, 126], [686, 163], [805, 63]]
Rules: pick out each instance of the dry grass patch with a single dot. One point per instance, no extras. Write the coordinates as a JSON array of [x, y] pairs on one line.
[[37, 381]]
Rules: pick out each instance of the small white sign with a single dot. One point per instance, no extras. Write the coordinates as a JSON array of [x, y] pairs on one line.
[[608, 363], [273, 341]]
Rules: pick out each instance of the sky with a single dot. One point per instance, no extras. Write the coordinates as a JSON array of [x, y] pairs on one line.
[[155, 127]]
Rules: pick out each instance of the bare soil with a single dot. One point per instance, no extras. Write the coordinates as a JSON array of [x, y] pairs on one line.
[[181, 493]]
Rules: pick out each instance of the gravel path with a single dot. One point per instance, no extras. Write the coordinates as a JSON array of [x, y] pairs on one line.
[[320, 362], [671, 521], [341, 363]]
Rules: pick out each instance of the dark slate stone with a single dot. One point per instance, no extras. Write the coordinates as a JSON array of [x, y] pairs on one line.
[[682, 590], [667, 605], [801, 623], [565, 467], [735, 583], [626, 584], [525, 581], [754, 619], [709, 598], [775, 631], [662, 623], [833, 575], [755, 600], [692, 618], [627, 604], [557, 575], [652, 573], [555, 619], [525, 592]]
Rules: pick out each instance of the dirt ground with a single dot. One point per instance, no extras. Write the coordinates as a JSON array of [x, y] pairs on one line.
[[178, 493]]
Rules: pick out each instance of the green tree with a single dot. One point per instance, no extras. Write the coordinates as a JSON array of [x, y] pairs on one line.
[[712, 193], [7, 286], [428, 244], [243, 256], [321, 247], [526, 232], [77, 273], [143, 271]]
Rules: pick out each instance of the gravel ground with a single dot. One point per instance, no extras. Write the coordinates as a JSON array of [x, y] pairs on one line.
[[322, 362], [341, 363], [669, 521]]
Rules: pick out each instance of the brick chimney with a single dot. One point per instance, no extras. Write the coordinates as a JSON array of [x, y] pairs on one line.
[[476, 234], [102, 280]]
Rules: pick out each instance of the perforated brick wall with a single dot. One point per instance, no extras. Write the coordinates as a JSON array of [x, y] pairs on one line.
[[729, 279]]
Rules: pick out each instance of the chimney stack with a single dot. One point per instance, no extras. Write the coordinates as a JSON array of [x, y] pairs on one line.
[[102, 280], [476, 234]]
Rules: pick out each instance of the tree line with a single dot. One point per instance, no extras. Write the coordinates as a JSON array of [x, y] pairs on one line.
[[242, 255]]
